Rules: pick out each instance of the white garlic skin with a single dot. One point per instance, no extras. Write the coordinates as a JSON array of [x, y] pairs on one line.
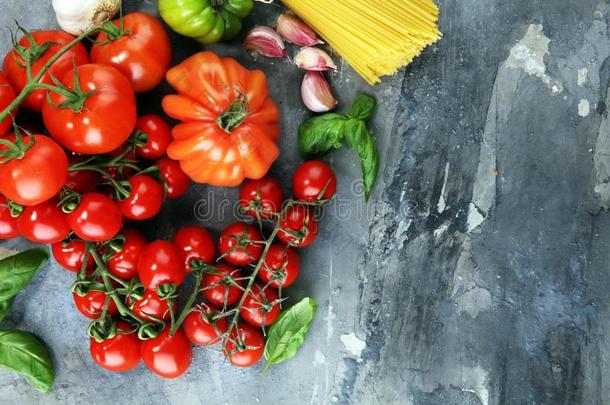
[[77, 16]]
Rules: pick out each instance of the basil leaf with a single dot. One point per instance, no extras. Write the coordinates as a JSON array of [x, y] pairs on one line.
[[16, 271], [320, 134], [362, 108], [23, 353], [5, 307], [287, 334], [362, 141]]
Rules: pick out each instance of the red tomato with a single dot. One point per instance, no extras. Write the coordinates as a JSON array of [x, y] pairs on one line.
[[314, 180], [124, 264], [43, 223], [82, 181], [96, 219], [280, 267], [70, 255], [119, 353], [160, 263], [261, 306], [194, 242], [151, 306], [8, 224], [168, 356], [176, 181], [30, 179], [159, 136], [14, 65], [103, 122], [246, 346], [264, 196], [142, 52], [145, 199], [299, 227], [235, 244], [220, 286], [92, 304], [7, 95], [200, 330]]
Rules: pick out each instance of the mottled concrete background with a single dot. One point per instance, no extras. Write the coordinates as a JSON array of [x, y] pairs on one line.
[[478, 272]]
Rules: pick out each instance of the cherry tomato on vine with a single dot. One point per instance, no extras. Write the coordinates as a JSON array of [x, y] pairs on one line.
[[261, 306], [299, 227], [151, 306], [145, 199], [160, 263], [201, 330], [119, 353], [124, 264], [236, 246], [168, 356], [177, 182], [158, 134], [280, 267], [8, 224], [7, 95], [96, 219], [54, 41], [82, 181], [70, 255], [222, 285], [314, 180], [264, 196], [246, 345], [43, 223], [195, 242], [92, 304]]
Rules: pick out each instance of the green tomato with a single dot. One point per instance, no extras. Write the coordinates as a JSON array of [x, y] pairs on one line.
[[208, 21]]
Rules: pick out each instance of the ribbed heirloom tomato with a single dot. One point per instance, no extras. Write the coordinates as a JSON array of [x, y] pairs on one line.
[[119, 353]]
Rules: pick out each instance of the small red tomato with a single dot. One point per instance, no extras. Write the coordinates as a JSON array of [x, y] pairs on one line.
[[314, 180], [194, 242], [158, 134], [151, 306], [280, 267], [200, 330], [220, 286], [96, 219], [7, 96], [176, 181], [145, 199], [246, 346], [8, 224], [236, 244], [299, 227], [82, 181], [43, 223], [124, 264], [119, 353], [168, 356], [261, 306], [70, 255], [264, 196], [160, 263], [92, 304]]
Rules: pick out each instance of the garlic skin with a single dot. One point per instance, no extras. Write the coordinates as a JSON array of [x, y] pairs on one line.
[[314, 59], [295, 30], [316, 93], [77, 16], [265, 41]]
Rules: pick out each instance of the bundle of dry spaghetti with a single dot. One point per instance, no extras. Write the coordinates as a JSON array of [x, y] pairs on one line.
[[376, 37]]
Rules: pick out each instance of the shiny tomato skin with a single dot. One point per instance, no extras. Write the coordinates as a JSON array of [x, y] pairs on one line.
[[145, 199], [300, 220], [31, 180], [70, 255], [160, 263], [92, 304], [266, 194], [200, 331], [107, 118], [120, 353], [235, 252], [151, 306], [143, 54], [124, 264], [246, 336], [214, 290], [82, 181], [195, 242], [281, 266], [311, 179], [43, 223], [168, 356], [8, 224], [96, 219], [14, 66], [176, 181], [254, 312], [159, 136], [7, 95]]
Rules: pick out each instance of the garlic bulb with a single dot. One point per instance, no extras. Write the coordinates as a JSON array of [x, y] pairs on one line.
[[77, 16]]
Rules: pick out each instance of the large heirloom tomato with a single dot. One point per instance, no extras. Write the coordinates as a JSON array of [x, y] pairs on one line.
[[230, 125]]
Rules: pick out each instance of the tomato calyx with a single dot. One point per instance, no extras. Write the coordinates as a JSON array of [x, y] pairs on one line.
[[112, 31], [15, 150], [103, 328], [30, 54], [14, 209], [237, 112], [75, 98]]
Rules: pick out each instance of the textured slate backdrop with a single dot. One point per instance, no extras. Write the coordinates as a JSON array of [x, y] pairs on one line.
[[476, 275]]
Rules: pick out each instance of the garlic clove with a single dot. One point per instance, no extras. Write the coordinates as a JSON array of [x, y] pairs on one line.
[[265, 41], [316, 93], [295, 30], [314, 59]]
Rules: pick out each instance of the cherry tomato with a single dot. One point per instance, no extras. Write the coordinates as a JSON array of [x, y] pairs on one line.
[[124, 264], [142, 51], [43, 223], [8, 224], [145, 199], [160, 263], [280, 267], [30, 179], [299, 227], [264, 196], [14, 65], [159, 136], [96, 219], [220, 285], [194, 242], [82, 181], [176, 181], [246, 346], [70, 255], [92, 304], [199, 328], [151, 306], [7, 95], [168, 356], [119, 353], [261, 306], [234, 246], [314, 180], [106, 119]]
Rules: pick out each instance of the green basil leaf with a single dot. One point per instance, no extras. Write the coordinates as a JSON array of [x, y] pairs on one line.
[[287, 334], [320, 134], [363, 142], [24, 354], [362, 108], [16, 271], [5, 307]]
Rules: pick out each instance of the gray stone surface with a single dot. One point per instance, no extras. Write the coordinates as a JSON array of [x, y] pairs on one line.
[[477, 273]]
